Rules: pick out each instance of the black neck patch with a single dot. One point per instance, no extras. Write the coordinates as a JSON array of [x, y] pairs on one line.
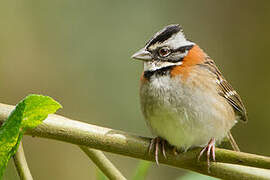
[[160, 72], [166, 34]]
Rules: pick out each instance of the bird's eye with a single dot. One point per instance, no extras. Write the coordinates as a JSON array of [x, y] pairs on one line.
[[163, 52]]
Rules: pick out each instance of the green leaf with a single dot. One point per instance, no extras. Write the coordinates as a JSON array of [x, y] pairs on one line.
[[29, 113], [142, 170], [37, 108], [100, 175]]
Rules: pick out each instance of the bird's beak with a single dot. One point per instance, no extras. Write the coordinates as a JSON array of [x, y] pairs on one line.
[[142, 54]]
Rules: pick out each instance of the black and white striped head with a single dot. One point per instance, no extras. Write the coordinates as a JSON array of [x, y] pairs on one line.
[[166, 48]]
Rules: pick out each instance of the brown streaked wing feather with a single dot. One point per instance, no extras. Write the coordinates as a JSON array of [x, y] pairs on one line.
[[226, 90]]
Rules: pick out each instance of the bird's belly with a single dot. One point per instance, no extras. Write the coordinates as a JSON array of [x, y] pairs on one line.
[[184, 117]]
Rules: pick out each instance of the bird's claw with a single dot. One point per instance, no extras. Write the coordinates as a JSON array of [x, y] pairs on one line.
[[154, 144], [210, 151]]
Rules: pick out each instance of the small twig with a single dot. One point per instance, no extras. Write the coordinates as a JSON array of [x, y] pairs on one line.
[[103, 163], [21, 164]]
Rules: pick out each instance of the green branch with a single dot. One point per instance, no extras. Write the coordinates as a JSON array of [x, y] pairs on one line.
[[229, 165], [21, 164], [103, 163]]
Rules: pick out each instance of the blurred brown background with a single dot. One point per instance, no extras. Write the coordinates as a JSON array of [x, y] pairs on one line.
[[78, 52]]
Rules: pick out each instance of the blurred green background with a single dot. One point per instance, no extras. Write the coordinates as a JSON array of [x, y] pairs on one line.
[[78, 52]]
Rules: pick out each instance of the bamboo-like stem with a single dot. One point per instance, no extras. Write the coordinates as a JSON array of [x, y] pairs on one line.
[[21, 164], [105, 139], [103, 163]]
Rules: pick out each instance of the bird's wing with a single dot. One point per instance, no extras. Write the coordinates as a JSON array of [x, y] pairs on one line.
[[226, 90]]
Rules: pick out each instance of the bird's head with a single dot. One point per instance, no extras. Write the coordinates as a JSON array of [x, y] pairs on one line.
[[167, 47]]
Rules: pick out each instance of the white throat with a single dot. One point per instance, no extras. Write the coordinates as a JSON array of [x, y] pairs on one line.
[[156, 65]]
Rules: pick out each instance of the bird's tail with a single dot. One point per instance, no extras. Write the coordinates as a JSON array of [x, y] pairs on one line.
[[232, 141]]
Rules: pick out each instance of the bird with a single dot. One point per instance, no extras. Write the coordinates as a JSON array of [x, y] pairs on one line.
[[185, 99]]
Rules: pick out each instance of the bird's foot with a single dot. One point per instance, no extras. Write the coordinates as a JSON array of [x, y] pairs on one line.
[[155, 144], [210, 151]]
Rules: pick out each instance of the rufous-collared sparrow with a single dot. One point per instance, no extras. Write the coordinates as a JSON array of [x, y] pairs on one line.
[[184, 97]]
